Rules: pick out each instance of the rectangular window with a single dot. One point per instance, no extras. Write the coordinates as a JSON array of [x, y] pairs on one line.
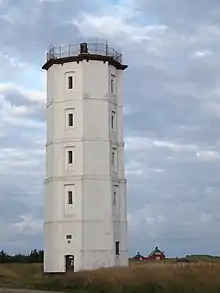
[[70, 197], [69, 236], [70, 82], [70, 157], [112, 120], [117, 249], [112, 84], [70, 119], [114, 198], [114, 158], [116, 201]]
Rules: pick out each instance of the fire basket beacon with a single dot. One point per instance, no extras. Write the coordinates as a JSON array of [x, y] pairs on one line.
[[85, 187]]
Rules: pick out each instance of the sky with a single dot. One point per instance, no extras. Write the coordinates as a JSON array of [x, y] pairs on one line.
[[171, 114]]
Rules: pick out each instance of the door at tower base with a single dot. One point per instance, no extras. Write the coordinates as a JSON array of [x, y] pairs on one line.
[[69, 263]]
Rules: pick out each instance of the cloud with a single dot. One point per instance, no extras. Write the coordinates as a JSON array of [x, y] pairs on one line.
[[172, 116], [199, 54], [182, 13], [143, 143], [27, 225], [208, 155]]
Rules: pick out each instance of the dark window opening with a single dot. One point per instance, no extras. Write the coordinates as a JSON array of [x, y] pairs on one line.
[[69, 262], [112, 120], [70, 82], [70, 157], [71, 119], [117, 248], [70, 197], [113, 159], [114, 198], [112, 85], [68, 236]]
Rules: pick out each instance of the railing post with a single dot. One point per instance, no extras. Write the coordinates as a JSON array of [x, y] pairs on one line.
[[106, 49]]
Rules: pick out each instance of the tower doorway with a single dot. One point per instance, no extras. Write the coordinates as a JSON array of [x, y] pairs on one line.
[[69, 263]]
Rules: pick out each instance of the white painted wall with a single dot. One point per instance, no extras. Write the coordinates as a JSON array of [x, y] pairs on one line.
[[93, 221]]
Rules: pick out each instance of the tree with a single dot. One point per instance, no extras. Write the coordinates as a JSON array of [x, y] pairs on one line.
[[35, 256], [4, 257]]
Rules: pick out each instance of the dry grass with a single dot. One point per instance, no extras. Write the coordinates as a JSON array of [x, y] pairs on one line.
[[141, 277]]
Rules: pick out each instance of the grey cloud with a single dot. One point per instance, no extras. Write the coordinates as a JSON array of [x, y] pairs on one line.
[[182, 13], [166, 113], [16, 98], [174, 88], [36, 111], [31, 26], [14, 202], [180, 214], [177, 205]]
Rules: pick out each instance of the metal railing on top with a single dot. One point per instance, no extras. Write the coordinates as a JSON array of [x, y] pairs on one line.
[[74, 50]]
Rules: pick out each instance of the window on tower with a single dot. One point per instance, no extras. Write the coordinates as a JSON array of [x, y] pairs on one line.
[[114, 198], [117, 248], [116, 202], [114, 158], [113, 120], [70, 82], [70, 78], [70, 157], [70, 197], [69, 194], [70, 119], [112, 84]]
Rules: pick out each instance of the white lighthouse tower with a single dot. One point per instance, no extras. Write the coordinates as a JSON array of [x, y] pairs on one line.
[[85, 187]]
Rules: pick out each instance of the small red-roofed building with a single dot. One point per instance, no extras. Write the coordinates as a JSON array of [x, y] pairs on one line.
[[157, 254]]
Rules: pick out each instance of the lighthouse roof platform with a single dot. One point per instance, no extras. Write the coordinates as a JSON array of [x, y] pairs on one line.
[[84, 51]]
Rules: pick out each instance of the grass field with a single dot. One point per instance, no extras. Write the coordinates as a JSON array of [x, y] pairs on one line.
[[140, 277]]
